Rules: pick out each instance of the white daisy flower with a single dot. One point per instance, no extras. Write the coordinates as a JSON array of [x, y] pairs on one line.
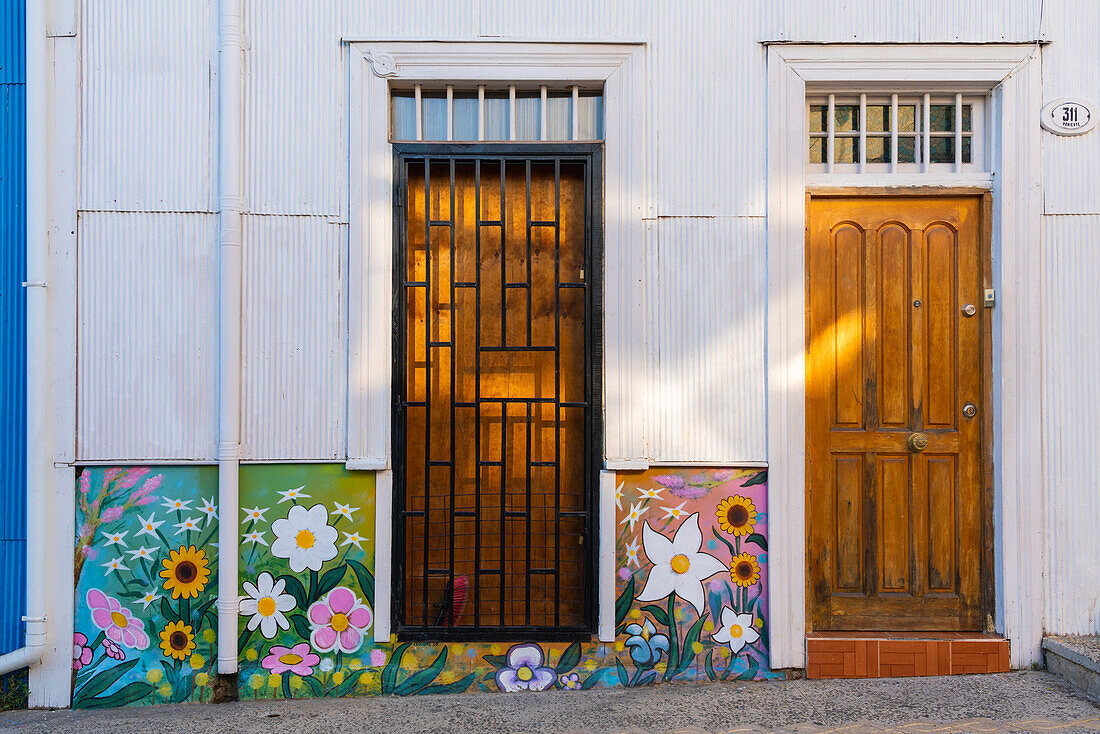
[[256, 536], [633, 516], [266, 603], [142, 552], [115, 565], [653, 494], [675, 512], [619, 496], [209, 509], [149, 598], [632, 553], [290, 495], [254, 514], [191, 523], [344, 510], [116, 538], [180, 505], [304, 538], [736, 631], [678, 566], [327, 665], [353, 539], [148, 527]]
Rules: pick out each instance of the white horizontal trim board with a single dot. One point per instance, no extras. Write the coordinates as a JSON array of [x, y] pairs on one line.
[[1011, 74], [620, 69]]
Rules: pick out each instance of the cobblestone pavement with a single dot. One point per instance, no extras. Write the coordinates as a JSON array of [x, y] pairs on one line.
[[1009, 702]]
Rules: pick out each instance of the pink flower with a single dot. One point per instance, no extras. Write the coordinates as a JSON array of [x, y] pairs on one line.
[[132, 476], [151, 484], [89, 552], [111, 514], [85, 481], [82, 654], [145, 501], [377, 657], [298, 659], [110, 616], [113, 650], [339, 621], [109, 475]]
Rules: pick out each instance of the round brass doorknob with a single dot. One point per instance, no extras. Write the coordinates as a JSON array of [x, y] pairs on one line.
[[917, 442]]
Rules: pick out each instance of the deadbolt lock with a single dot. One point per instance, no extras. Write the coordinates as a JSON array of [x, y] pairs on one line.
[[970, 410], [917, 442], [969, 310]]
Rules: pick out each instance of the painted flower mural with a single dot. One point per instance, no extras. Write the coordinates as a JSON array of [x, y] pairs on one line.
[[145, 612], [267, 604], [304, 537], [678, 565], [737, 630], [524, 670], [339, 621]]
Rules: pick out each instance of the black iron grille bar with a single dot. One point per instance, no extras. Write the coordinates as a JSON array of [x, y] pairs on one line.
[[477, 392], [416, 284], [427, 378], [572, 285], [530, 323], [548, 222], [465, 284], [527, 464], [452, 267], [557, 388], [535, 348], [544, 463], [503, 305]]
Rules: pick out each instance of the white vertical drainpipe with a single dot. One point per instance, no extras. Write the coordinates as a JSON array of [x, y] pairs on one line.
[[229, 326], [39, 410]]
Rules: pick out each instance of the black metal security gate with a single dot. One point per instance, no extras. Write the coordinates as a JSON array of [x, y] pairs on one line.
[[497, 365]]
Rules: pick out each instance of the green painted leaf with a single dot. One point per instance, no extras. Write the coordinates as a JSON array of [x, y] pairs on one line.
[[389, 673], [200, 612], [648, 678], [759, 539], [331, 579], [659, 614], [103, 680], [569, 659], [726, 542], [294, 588], [458, 686], [497, 661], [127, 694], [243, 639], [314, 685], [622, 604], [750, 672], [692, 637], [709, 666], [286, 686], [593, 679], [624, 679], [365, 578], [167, 611], [301, 626], [760, 477], [348, 684], [418, 680]]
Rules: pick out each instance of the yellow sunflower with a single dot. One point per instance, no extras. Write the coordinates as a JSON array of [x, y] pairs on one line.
[[745, 570], [186, 572], [177, 640], [736, 515]]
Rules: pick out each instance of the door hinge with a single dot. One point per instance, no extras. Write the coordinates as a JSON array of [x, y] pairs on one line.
[[990, 298]]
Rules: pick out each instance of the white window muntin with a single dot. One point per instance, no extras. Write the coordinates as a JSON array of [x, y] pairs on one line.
[[924, 137]]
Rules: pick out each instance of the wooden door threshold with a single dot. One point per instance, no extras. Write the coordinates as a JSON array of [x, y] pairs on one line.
[[903, 654]]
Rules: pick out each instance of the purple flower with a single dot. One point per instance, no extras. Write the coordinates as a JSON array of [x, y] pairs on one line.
[[570, 682], [85, 481], [113, 649], [151, 485], [111, 514], [82, 654], [524, 670], [145, 501], [89, 552], [671, 481], [109, 475]]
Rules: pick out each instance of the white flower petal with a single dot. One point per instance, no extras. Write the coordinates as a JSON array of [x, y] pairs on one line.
[[658, 548], [660, 583], [688, 538], [722, 636], [729, 617], [703, 565], [690, 589]]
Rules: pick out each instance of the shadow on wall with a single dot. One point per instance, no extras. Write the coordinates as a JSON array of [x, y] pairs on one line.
[[691, 584]]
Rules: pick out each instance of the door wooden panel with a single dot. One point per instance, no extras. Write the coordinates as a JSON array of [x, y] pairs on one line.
[[895, 534]]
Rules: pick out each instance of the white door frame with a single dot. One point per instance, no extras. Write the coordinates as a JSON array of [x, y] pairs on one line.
[[1011, 74], [620, 70]]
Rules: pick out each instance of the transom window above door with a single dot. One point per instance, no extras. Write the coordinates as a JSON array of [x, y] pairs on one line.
[[895, 133], [508, 113]]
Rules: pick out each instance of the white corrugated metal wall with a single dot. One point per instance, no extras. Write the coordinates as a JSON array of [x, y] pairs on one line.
[[148, 116]]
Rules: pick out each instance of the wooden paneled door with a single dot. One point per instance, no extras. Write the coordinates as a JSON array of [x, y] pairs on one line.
[[896, 404]]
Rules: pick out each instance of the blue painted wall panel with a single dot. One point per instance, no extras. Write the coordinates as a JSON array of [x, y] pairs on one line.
[[13, 342]]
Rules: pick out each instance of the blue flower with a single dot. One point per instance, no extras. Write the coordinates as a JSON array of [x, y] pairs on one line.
[[645, 645]]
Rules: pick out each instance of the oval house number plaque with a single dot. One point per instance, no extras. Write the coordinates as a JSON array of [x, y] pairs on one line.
[[1069, 117]]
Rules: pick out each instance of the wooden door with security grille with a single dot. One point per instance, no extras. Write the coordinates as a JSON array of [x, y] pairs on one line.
[[895, 413], [496, 386]]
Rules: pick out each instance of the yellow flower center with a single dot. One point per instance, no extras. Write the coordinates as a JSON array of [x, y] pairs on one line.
[[119, 619], [736, 631], [305, 539], [525, 673], [290, 659], [680, 563], [339, 622], [266, 606]]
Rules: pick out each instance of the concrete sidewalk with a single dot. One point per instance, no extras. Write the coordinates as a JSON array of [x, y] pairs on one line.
[[1008, 702]]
